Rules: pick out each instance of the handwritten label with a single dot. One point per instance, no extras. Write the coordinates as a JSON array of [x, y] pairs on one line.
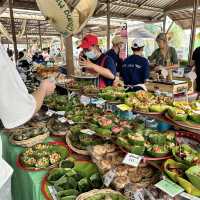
[[50, 113], [132, 160], [62, 119], [124, 107], [53, 192], [87, 131], [169, 187], [61, 113], [109, 177], [84, 100]]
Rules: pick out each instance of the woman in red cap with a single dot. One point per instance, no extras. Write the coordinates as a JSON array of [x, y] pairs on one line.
[[97, 61]]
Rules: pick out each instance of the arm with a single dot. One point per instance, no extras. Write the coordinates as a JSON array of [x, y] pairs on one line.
[[174, 60], [146, 71]]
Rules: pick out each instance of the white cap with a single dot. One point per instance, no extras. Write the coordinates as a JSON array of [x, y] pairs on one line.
[[137, 43]]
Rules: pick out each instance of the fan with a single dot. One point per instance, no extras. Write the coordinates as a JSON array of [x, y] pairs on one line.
[[64, 20]]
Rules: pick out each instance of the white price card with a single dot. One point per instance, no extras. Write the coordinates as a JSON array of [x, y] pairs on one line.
[[62, 119], [132, 160], [53, 192], [169, 187], [70, 122], [109, 177], [50, 113], [85, 100], [88, 131], [61, 113]]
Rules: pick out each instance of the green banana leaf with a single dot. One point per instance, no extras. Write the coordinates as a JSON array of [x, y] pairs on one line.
[[193, 174]]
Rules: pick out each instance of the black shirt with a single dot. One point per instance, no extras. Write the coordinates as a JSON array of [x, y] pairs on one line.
[[117, 60], [196, 58]]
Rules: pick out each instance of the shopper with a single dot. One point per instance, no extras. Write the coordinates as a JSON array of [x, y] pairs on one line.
[[115, 51], [17, 106], [94, 61], [196, 63], [165, 55], [135, 69]]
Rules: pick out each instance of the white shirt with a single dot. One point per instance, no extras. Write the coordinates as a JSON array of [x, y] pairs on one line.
[[17, 106]]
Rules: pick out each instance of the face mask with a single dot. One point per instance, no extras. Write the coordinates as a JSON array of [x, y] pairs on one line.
[[91, 55]]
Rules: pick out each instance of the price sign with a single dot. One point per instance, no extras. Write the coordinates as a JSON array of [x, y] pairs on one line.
[[169, 187], [84, 100], [53, 192], [50, 113], [108, 177], [98, 101], [61, 113], [132, 160], [87, 131], [124, 107], [70, 122], [62, 119]]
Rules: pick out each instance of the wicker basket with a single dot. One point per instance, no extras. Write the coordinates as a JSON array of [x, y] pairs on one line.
[[29, 142], [74, 149], [86, 195]]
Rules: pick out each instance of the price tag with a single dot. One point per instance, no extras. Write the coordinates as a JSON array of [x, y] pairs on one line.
[[124, 107], [139, 195], [61, 113], [169, 187], [132, 160], [87, 131], [108, 177], [188, 196], [53, 192], [62, 119], [84, 100], [50, 113], [70, 122], [98, 101]]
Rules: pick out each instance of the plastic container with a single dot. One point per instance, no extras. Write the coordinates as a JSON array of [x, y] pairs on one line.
[[162, 126], [5, 180]]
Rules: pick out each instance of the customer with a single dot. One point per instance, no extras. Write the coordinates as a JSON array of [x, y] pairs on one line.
[[115, 51], [17, 106], [165, 55], [96, 61], [196, 63], [135, 69]]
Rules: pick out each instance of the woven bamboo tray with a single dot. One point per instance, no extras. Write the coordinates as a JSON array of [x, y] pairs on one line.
[[29, 142]]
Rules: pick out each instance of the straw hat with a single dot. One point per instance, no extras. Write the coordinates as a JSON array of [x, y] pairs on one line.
[[63, 19]]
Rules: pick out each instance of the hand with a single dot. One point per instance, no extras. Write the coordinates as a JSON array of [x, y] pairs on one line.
[[117, 82], [48, 87], [85, 63]]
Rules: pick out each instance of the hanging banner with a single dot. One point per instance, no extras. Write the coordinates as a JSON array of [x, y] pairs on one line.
[[5, 33], [23, 29], [124, 35]]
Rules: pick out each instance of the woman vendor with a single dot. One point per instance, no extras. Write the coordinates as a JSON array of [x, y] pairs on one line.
[[96, 61], [165, 55]]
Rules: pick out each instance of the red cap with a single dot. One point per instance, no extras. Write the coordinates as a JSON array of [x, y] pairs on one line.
[[88, 41]]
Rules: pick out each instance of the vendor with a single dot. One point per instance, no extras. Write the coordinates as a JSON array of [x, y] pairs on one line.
[[117, 42], [96, 61], [17, 106], [165, 55], [135, 69]]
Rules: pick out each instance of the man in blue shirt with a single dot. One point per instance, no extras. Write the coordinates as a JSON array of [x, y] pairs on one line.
[[114, 52], [135, 69]]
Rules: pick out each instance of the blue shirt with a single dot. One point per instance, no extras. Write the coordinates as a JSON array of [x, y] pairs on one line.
[[117, 60], [135, 70], [109, 64]]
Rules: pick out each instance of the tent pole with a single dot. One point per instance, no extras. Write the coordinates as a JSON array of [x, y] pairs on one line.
[[40, 35], [13, 30], [27, 45], [108, 24], [69, 56], [164, 23], [193, 29]]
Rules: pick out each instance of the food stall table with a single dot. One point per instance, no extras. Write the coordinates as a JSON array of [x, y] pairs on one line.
[[25, 185]]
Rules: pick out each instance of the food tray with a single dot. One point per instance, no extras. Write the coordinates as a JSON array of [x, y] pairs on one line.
[[188, 125], [32, 169], [74, 149], [29, 142]]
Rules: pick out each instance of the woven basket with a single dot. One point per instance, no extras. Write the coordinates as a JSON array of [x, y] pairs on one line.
[[95, 192], [74, 149], [29, 142]]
